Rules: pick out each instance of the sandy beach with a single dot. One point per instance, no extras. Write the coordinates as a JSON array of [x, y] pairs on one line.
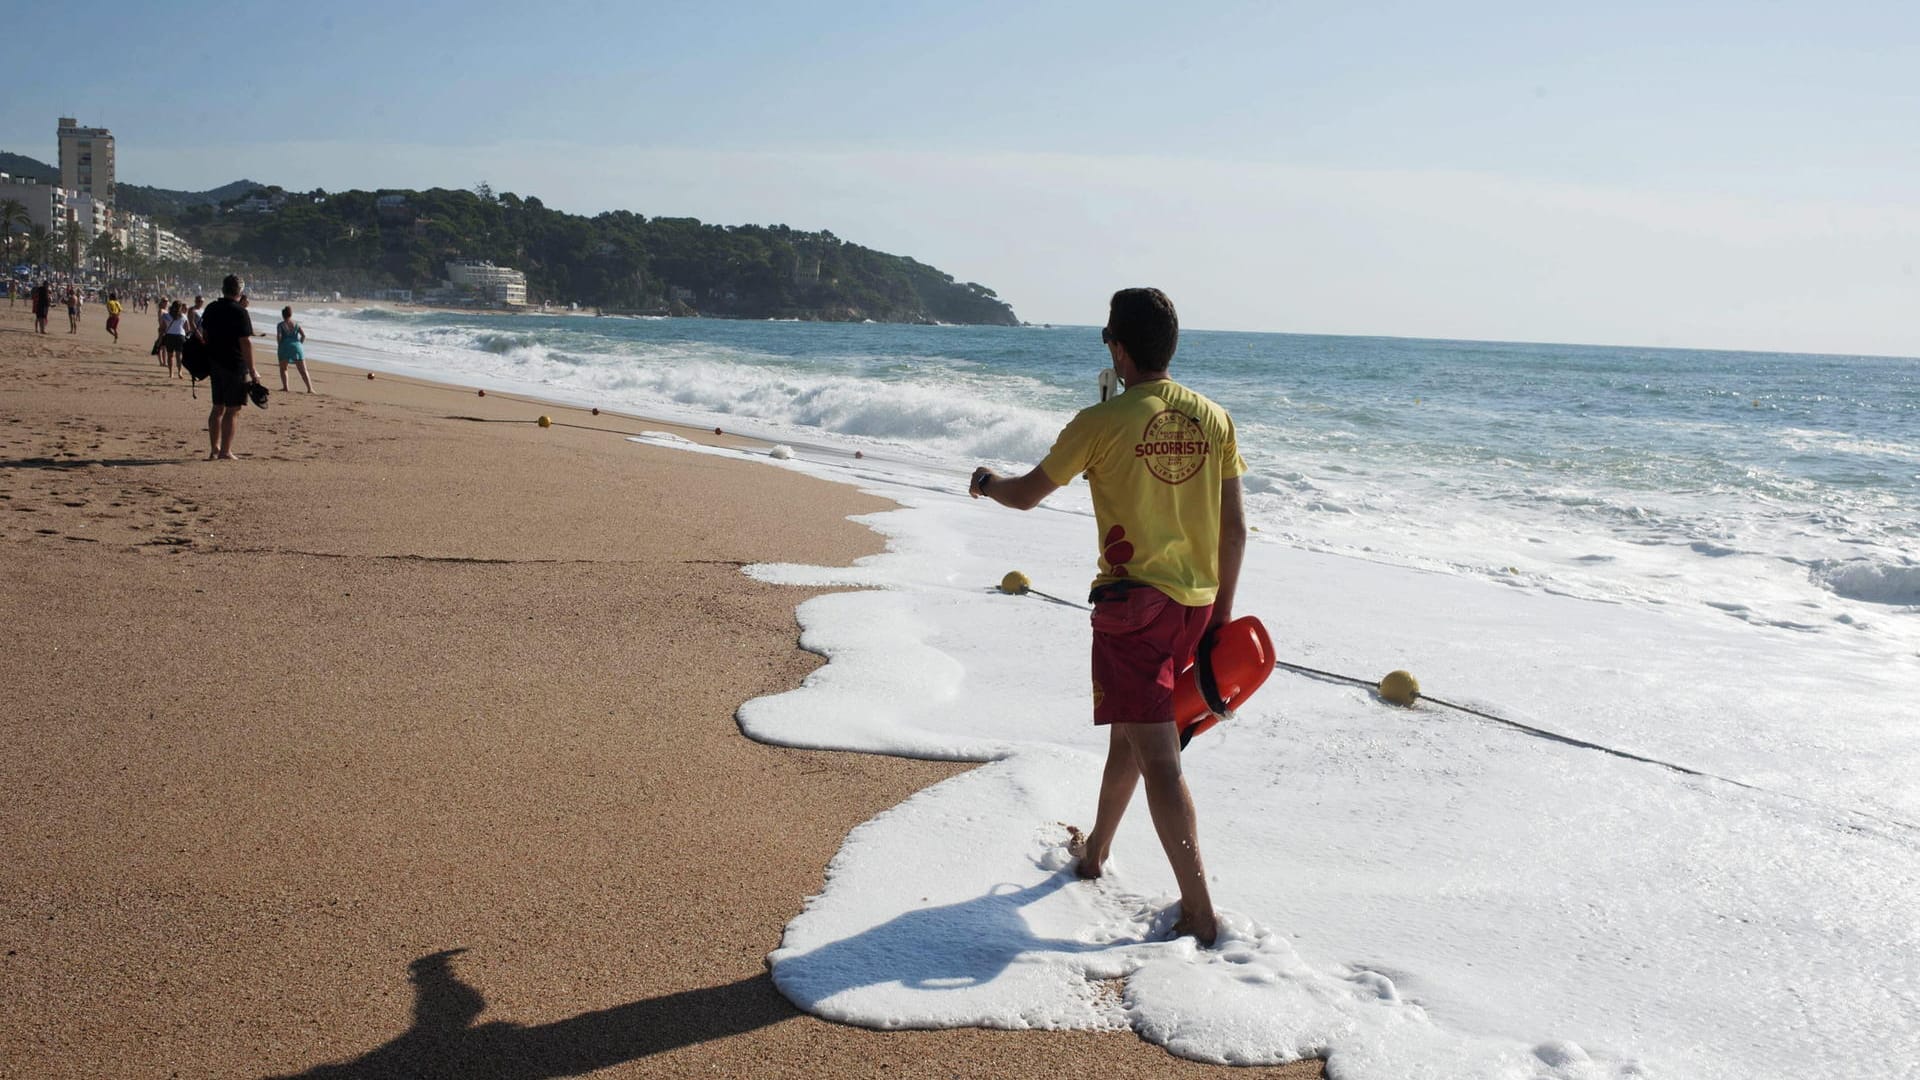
[[404, 746]]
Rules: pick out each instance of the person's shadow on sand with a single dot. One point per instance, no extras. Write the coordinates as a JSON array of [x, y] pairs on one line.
[[936, 948], [444, 1043], [953, 945]]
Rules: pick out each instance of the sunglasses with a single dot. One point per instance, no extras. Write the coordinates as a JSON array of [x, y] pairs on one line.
[[1106, 336]]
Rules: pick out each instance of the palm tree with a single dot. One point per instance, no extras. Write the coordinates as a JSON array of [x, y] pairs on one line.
[[101, 254], [12, 212], [71, 243], [39, 245]]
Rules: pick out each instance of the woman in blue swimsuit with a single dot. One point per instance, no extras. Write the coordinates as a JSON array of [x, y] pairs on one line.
[[293, 349]]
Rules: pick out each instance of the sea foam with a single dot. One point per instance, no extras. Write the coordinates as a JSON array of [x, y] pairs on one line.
[[1409, 892]]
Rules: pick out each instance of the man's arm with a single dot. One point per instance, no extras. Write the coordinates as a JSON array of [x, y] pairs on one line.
[[246, 352], [1233, 546], [1019, 492]]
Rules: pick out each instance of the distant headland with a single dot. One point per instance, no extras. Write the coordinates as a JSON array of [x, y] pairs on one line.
[[397, 243]]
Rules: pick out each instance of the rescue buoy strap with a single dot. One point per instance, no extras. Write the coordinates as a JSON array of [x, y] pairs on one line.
[[1203, 669]]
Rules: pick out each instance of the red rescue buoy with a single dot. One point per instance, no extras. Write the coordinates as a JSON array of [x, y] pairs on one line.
[[1241, 659]]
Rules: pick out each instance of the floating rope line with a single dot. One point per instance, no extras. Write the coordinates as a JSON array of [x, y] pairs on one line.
[[1016, 583], [553, 423]]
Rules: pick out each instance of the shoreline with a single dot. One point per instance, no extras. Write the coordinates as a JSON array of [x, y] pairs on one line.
[[292, 729]]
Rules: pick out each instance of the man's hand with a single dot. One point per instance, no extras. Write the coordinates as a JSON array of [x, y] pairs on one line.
[[1221, 616], [1016, 492]]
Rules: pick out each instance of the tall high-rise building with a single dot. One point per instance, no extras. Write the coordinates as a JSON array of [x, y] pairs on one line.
[[86, 160]]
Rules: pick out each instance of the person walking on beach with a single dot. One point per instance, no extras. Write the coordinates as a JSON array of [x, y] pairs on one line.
[[228, 333], [292, 349], [113, 316], [42, 305], [173, 338], [194, 315], [160, 337], [73, 310], [1164, 468]]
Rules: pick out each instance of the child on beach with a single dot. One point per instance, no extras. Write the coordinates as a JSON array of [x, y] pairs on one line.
[[292, 349], [73, 310], [1169, 566]]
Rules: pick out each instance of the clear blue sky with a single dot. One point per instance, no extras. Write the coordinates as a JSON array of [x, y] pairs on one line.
[[1731, 174]]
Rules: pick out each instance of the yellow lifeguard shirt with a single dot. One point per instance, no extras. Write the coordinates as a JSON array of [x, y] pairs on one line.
[[113, 307], [1155, 457]]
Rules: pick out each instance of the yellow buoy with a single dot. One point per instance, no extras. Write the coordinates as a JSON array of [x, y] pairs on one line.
[[1015, 582], [1400, 688], [546, 421]]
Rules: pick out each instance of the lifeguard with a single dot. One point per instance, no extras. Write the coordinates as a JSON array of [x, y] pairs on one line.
[[1164, 468]]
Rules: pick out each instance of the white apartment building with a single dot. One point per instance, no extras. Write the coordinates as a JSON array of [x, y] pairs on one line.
[[499, 284], [88, 214], [46, 203], [86, 160]]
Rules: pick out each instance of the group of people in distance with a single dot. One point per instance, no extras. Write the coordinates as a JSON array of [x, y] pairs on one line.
[[224, 330], [41, 299], [177, 322]]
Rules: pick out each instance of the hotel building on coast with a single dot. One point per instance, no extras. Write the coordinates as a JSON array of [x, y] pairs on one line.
[[498, 284]]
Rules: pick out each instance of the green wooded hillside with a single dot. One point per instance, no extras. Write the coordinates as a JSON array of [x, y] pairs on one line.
[[619, 260]]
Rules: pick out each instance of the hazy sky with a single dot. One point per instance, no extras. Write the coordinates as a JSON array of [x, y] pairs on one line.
[[1716, 174]]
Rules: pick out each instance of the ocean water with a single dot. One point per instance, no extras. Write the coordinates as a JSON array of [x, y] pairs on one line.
[[1702, 560], [1781, 488]]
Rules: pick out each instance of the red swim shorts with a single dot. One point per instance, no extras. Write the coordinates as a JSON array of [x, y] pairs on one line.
[[1141, 640]]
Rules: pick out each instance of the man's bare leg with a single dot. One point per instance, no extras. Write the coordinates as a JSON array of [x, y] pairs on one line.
[[213, 431], [226, 433], [1116, 791], [1156, 747]]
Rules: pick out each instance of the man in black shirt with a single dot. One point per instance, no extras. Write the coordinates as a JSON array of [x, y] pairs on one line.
[[229, 337]]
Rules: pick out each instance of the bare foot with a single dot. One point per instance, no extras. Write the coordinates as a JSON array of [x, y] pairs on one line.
[[1204, 930], [229, 457], [213, 455], [1085, 865]]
